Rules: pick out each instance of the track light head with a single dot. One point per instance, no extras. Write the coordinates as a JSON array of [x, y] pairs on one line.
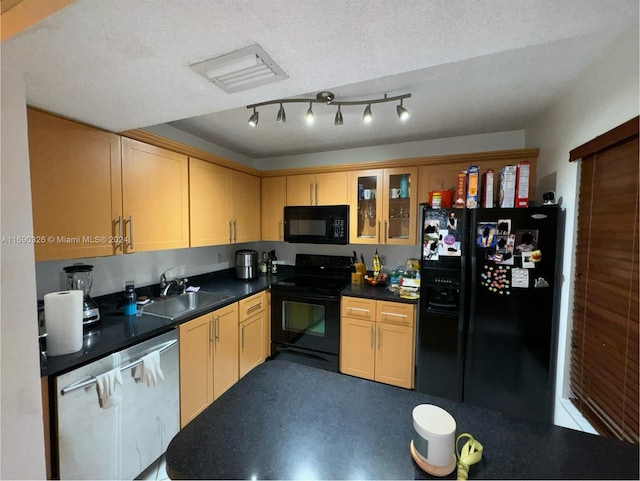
[[282, 117], [368, 116], [310, 117], [403, 114], [253, 120], [338, 120]]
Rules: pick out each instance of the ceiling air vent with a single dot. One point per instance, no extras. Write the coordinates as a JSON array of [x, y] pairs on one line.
[[241, 70]]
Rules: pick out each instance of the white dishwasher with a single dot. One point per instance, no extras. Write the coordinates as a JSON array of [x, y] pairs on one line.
[[121, 441]]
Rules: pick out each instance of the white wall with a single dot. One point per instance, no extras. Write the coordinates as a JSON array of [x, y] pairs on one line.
[[602, 98], [21, 428]]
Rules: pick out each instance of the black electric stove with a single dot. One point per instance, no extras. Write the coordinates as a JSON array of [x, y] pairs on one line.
[[321, 274], [305, 311]]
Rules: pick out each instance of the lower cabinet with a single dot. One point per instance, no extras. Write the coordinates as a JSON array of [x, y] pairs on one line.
[[377, 340], [208, 359], [217, 349], [252, 331]]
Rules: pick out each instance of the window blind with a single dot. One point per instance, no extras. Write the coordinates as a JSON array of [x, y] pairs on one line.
[[604, 372]]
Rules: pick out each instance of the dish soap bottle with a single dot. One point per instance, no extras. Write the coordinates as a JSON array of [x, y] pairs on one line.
[[376, 264]]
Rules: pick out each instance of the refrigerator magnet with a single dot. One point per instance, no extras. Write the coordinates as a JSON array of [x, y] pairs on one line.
[[520, 278], [526, 261], [486, 234]]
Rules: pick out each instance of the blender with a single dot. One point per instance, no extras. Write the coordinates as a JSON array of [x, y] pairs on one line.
[[79, 278]]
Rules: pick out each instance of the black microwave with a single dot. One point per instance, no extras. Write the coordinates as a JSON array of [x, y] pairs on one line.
[[317, 224]]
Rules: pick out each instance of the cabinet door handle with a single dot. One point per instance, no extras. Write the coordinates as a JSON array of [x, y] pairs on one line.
[[230, 233], [379, 224], [130, 232], [371, 336], [120, 243], [316, 194], [310, 194], [211, 330], [386, 231], [217, 328], [235, 231], [242, 338], [379, 338], [280, 230]]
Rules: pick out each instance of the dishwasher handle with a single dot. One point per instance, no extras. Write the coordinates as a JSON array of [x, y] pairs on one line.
[[84, 383]]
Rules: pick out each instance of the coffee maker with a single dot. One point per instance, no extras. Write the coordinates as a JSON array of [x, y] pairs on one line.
[[79, 278]]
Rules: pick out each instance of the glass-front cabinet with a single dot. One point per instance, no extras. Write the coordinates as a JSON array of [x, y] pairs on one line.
[[383, 205]]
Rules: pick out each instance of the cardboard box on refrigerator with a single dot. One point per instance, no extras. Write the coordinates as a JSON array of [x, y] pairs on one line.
[[507, 186], [460, 199], [486, 198], [473, 174], [522, 184]]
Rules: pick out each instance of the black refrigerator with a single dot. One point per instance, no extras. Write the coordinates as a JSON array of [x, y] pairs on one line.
[[487, 331]]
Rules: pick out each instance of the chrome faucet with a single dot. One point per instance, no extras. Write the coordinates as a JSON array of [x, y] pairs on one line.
[[165, 285]]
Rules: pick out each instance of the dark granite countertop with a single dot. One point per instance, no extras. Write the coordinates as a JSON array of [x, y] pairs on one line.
[[115, 331], [286, 421], [374, 292]]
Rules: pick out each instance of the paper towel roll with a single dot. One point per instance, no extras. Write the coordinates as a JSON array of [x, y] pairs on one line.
[[63, 321]]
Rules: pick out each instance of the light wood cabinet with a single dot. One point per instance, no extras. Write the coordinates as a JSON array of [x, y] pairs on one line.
[[76, 188], [253, 319], [380, 213], [155, 197], [225, 349], [377, 340], [443, 176], [209, 203], [245, 207], [225, 205], [208, 359], [329, 188], [273, 200], [96, 194], [196, 366]]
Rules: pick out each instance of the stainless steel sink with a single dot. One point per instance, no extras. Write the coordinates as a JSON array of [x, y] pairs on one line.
[[178, 306]]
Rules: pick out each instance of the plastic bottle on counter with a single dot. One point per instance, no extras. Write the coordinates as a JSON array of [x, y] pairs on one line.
[[130, 308], [376, 264]]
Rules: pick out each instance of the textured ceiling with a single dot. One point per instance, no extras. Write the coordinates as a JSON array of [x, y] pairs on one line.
[[471, 66]]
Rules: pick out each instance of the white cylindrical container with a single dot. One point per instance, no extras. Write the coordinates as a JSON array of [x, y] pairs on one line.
[[63, 321], [433, 444]]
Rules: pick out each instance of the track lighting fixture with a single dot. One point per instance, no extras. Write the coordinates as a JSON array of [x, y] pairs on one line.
[[253, 120], [309, 117], [367, 117], [338, 120], [403, 114], [327, 98], [282, 117]]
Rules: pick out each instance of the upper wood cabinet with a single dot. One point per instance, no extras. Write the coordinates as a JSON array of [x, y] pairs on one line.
[[245, 207], [224, 205], [273, 200], [209, 203], [328, 188], [383, 206], [155, 197], [442, 176], [76, 188]]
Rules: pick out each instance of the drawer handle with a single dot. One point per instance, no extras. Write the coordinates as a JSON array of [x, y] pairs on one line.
[[359, 309], [393, 314], [255, 306]]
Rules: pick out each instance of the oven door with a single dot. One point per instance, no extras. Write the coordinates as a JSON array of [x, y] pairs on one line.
[[305, 321]]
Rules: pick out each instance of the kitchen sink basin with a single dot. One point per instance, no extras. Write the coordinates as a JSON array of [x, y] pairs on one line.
[[178, 306]]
